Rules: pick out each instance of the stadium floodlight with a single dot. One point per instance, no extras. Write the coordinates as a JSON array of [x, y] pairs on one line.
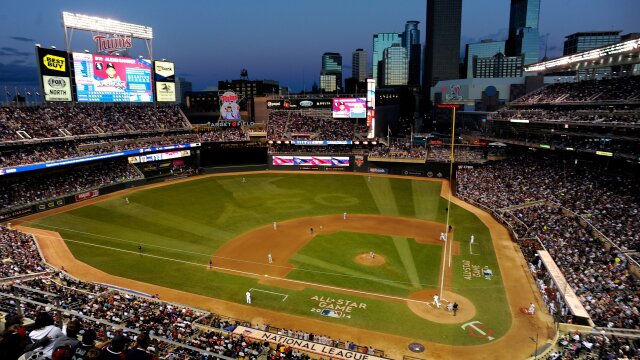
[[598, 53], [108, 26], [53, 47]]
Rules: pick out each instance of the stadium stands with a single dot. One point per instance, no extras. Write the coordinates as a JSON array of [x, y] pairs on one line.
[[554, 203], [21, 123], [307, 125], [176, 331], [616, 89], [17, 191]]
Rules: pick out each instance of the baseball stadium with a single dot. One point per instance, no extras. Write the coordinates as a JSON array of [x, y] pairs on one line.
[[235, 226]]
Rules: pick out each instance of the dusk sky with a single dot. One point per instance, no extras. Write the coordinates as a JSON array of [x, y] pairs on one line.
[[282, 39]]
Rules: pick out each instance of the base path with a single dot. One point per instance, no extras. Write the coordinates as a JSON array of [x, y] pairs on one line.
[[515, 344]]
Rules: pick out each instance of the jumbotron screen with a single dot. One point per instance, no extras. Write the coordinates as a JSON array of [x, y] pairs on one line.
[[106, 78], [344, 108]]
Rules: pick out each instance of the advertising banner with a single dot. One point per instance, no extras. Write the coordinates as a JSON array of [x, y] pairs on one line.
[[54, 72], [165, 91], [87, 195], [16, 213], [298, 104], [158, 156], [345, 108], [56, 88], [105, 78], [50, 204], [302, 345], [165, 71]]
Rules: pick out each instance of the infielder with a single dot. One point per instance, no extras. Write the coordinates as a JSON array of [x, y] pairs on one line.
[[344, 216], [248, 296], [275, 225], [270, 258], [532, 309], [443, 236]]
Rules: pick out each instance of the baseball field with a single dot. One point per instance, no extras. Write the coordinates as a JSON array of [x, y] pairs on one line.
[[348, 252]]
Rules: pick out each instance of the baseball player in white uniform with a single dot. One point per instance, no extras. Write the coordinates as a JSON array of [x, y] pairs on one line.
[[532, 309], [443, 236], [435, 301], [270, 258], [472, 239], [248, 296]]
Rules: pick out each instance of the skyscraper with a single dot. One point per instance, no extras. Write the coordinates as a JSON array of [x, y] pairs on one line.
[[411, 42], [332, 65], [442, 43], [382, 41], [394, 66], [359, 65], [483, 49], [524, 37]]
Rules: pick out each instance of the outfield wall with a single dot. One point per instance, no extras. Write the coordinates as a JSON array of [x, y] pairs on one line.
[[358, 164]]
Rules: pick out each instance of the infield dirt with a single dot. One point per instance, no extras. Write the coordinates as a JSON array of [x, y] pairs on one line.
[[516, 344]]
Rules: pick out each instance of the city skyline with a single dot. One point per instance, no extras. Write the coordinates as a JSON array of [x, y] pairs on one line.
[[282, 43]]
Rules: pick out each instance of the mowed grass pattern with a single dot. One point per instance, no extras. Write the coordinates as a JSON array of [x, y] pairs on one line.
[[188, 221], [330, 259]]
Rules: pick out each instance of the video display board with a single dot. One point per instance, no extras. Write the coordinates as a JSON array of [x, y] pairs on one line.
[[105, 78], [310, 160], [54, 72], [159, 156], [345, 108]]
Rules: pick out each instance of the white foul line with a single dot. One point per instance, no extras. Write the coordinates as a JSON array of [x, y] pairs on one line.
[[250, 273], [271, 292]]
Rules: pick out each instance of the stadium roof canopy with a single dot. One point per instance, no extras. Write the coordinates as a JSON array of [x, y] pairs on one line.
[[622, 53]]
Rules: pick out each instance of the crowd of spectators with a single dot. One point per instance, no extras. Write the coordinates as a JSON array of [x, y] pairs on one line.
[[612, 116], [17, 191], [107, 320], [288, 125], [399, 151], [464, 154], [223, 134], [572, 198], [60, 121], [621, 88], [26, 154], [592, 346], [18, 254]]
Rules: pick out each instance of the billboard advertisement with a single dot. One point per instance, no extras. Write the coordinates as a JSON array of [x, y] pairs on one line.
[[345, 108], [104, 78], [164, 71], [166, 91], [159, 156], [54, 72], [310, 160], [298, 104]]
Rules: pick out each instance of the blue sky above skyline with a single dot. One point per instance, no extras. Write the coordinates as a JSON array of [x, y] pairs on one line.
[[282, 39]]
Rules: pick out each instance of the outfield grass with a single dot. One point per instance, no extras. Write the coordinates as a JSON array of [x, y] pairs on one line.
[[329, 259], [188, 221]]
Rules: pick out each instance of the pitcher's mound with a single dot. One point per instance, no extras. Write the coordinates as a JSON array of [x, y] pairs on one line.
[[425, 309], [367, 260]]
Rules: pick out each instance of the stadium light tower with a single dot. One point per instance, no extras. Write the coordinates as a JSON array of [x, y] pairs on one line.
[[96, 25]]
